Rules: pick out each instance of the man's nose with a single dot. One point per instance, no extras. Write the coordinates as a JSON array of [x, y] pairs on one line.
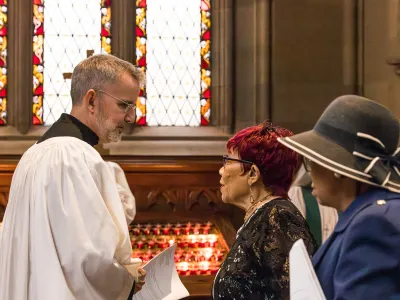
[[131, 115]]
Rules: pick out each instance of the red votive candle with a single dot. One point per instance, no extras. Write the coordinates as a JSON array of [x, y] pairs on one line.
[[151, 244], [156, 231], [186, 230], [193, 243], [139, 244], [177, 230], [136, 231], [202, 242]]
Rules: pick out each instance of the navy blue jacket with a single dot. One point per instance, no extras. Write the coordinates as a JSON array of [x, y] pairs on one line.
[[361, 259]]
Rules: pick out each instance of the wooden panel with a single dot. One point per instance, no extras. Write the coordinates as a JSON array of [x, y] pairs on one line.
[[167, 190]]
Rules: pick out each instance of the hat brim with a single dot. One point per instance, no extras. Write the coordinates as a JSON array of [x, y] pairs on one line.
[[330, 155]]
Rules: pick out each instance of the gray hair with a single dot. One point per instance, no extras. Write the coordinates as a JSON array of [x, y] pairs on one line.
[[96, 71]]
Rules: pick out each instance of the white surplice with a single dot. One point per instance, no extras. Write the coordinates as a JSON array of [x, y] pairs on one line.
[[65, 232], [125, 194]]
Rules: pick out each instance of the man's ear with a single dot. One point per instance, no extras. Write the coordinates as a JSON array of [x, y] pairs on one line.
[[90, 100]]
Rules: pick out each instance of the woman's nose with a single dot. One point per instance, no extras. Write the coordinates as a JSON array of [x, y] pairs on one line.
[[221, 171]]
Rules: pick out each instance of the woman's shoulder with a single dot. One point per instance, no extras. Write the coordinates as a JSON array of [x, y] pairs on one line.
[[277, 212], [280, 207]]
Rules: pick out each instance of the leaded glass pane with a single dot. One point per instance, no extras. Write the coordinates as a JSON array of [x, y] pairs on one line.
[[173, 48], [64, 32]]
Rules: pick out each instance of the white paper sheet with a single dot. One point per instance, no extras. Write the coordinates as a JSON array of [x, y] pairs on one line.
[[162, 280], [304, 284]]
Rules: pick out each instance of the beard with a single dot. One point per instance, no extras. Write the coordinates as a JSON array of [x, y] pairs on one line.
[[108, 131]]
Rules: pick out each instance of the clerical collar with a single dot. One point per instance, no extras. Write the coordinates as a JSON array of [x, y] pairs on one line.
[[88, 134], [68, 125]]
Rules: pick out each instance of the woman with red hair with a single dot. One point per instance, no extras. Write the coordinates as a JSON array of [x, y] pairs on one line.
[[256, 176]]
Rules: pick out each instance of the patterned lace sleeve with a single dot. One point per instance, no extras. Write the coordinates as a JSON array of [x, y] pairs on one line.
[[284, 226]]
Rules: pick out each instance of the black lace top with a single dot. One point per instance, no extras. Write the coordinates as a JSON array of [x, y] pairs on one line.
[[257, 266]]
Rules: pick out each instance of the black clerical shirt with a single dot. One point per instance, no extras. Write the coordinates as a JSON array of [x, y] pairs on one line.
[[68, 125]]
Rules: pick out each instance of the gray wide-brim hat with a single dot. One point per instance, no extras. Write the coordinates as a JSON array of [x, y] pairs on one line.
[[354, 137]]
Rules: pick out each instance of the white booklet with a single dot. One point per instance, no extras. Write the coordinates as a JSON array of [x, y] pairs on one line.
[[162, 281], [304, 284]]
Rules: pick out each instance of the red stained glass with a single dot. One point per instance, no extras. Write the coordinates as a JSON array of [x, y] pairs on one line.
[[204, 64], [3, 61], [105, 33], [106, 3], [207, 35], [141, 3], [36, 121], [39, 90], [142, 62], [141, 121], [139, 32], [205, 4], [39, 30]]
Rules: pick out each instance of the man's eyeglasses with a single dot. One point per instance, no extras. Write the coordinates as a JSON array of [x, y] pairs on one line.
[[128, 105], [226, 158]]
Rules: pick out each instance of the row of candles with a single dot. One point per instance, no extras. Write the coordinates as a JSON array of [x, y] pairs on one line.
[[198, 251], [202, 268], [163, 242], [169, 229], [204, 262], [199, 255]]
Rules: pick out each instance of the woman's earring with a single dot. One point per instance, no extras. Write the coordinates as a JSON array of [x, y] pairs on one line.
[[337, 176], [251, 196], [312, 185]]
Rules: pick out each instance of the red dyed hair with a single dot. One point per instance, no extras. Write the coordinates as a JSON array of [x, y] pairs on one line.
[[277, 163]]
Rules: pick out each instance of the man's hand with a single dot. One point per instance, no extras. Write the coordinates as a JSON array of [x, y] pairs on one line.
[[139, 284]]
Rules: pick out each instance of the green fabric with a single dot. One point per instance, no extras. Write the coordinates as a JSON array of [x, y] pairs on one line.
[[313, 215]]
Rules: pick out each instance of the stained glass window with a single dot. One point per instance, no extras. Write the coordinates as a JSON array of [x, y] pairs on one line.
[[3, 62], [65, 32], [173, 48]]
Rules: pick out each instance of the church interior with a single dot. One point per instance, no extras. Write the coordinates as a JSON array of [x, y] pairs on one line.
[[211, 70]]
